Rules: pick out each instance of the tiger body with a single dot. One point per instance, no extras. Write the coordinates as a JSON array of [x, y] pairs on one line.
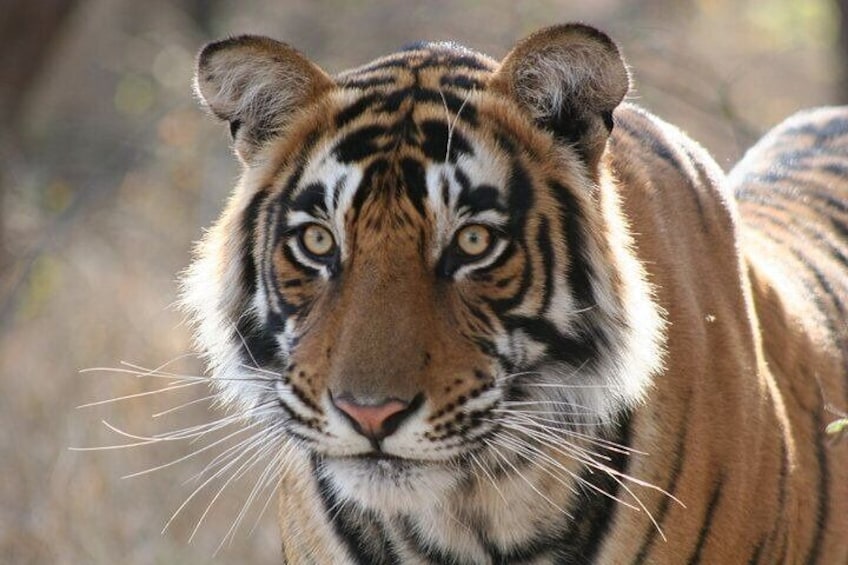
[[494, 315]]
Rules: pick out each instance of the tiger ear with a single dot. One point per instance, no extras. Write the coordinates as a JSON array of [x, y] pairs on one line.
[[257, 85], [569, 78]]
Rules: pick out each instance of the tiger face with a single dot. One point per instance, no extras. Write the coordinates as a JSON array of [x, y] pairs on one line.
[[417, 266]]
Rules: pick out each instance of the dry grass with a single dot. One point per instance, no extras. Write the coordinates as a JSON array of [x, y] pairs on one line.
[[117, 172]]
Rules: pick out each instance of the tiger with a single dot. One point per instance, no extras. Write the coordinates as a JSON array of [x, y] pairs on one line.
[[493, 312]]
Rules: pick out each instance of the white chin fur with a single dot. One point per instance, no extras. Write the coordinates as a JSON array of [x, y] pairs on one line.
[[389, 486]]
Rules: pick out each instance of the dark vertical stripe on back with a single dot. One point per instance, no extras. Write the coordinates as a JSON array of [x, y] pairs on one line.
[[707, 523], [680, 450], [823, 511]]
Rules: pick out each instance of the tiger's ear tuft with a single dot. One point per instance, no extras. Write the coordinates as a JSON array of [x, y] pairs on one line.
[[569, 78], [257, 84]]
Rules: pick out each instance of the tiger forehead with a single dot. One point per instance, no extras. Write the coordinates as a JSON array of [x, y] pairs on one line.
[[426, 65]]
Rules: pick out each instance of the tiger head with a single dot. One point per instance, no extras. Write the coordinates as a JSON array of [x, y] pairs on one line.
[[420, 258]]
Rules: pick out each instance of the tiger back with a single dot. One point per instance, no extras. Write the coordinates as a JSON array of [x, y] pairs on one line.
[[491, 314], [792, 189]]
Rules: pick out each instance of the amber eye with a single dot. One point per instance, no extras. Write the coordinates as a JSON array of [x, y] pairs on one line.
[[474, 240], [317, 240]]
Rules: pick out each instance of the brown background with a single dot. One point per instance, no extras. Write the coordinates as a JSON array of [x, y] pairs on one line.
[[108, 172]]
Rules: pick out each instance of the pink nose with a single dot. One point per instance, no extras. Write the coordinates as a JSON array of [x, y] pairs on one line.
[[374, 421]]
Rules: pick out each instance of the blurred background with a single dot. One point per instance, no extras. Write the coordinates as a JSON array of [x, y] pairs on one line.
[[108, 172]]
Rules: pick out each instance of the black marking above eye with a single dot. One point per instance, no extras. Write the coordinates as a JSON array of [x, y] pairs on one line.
[[480, 198], [310, 198], [359, 144], [435, 144]]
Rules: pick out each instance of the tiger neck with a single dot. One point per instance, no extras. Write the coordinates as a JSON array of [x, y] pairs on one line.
[[513, 513]]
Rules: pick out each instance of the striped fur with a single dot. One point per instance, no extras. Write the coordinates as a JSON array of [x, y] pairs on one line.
[[625, 375]]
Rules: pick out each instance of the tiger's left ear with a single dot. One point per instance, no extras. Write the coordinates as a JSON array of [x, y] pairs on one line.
[[569, 78]]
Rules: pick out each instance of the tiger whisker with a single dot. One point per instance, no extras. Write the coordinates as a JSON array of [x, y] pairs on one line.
[[245, 448], [142, 374], [244, 344], [528, 451], [540, 423], [169, 388], [261, 370], [258, 486], [554, 441], [252, 457], [485, 471], [529, 483], [535, 413], [285, 465], [537, 451], [185, 405], [452, 122], [185, 457], [514, 444], [591, 459], [557, 372]]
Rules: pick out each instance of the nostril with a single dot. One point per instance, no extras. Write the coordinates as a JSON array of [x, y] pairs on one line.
[[375, 421]]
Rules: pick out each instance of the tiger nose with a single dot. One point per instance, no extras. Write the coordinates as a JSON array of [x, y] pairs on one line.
[[375, 421]]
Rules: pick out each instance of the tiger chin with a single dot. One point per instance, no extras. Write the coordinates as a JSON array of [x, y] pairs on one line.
[[491, 313]]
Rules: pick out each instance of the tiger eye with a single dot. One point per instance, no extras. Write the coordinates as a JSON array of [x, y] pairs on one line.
[[317, 240], [474, 240]]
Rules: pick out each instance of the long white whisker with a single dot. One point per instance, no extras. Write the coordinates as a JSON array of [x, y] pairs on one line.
[[488, 475], [553, 463], [169, 388], [186, 457], [529, 483], [186, 404]]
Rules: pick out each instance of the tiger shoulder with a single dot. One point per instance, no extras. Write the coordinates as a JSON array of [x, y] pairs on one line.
[[485, 312]]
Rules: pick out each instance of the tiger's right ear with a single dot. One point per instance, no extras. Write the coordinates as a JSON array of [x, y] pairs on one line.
[[257, 84]]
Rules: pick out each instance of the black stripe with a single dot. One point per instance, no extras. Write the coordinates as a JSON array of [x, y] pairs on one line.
[[595, 512], [365, 82], [572, 221], [576, 351], [369, 184], [657, 145], [353, 111], [707, 523], [461, 81], [479, 199], [445, 55], [435, 143], [248, 229], [543, 242], [580, 536], [359, 529], [503, 305], [704, 177], [823, 510], [780, 519], [521, 198], [758, 551], [258, 344], [834, 128], [424, 548], [671, 488], [359, 144], [310, 199], [415, 183], [456, 106]]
